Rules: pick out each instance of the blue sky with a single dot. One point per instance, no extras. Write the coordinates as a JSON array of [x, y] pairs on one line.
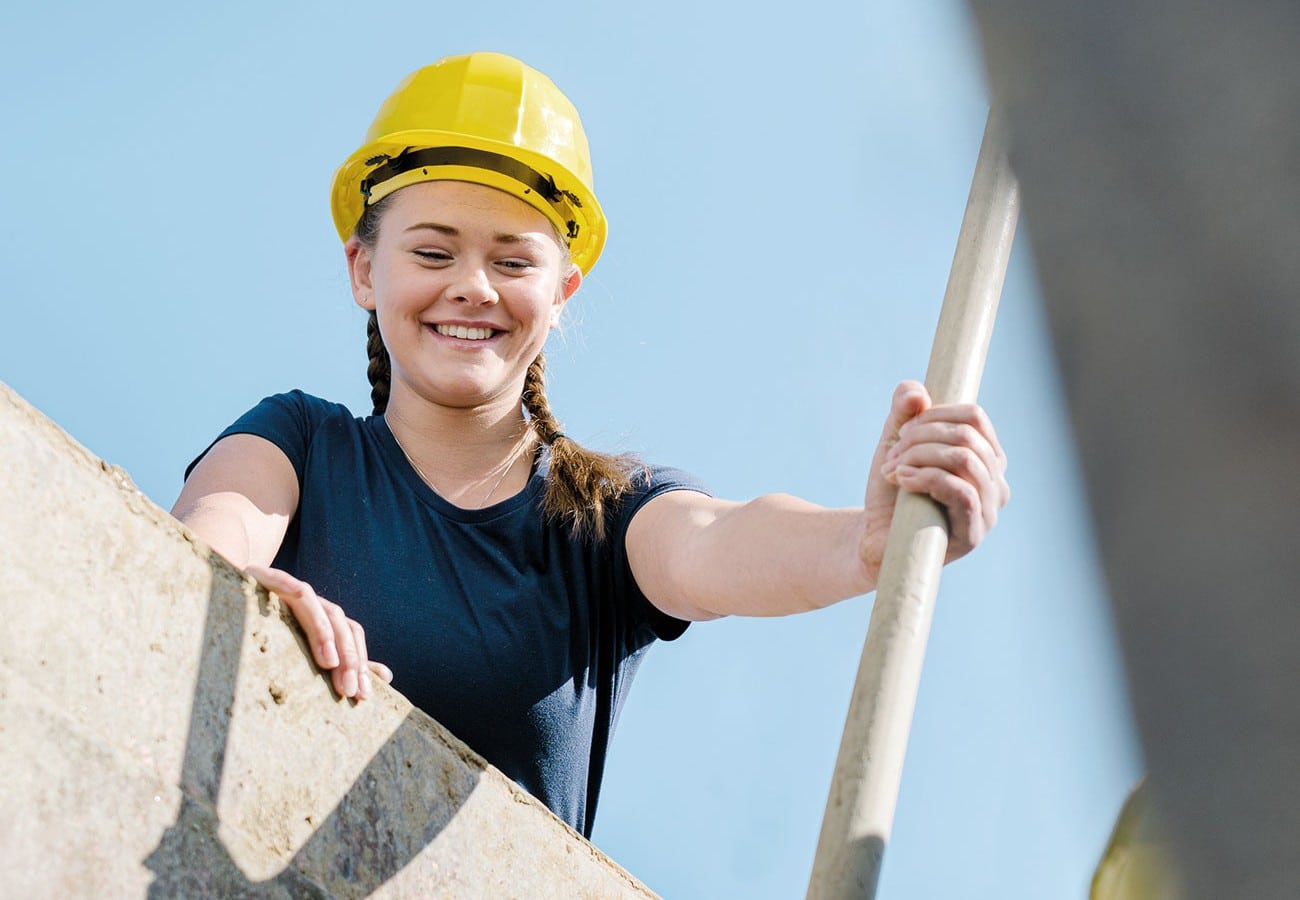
[[784, 188]]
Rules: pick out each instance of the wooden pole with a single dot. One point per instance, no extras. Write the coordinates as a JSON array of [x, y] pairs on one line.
[[864, 790]]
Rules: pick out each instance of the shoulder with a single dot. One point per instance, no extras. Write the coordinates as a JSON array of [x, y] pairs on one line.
[[289, 421], [295, 411], [650, 480], [300, 404]]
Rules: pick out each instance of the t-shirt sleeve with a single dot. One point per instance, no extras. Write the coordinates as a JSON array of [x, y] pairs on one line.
[[286, 420], [660, 480]]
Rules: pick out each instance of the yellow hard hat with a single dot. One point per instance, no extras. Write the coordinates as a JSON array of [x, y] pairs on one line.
[[485, 118], [1138, 863]]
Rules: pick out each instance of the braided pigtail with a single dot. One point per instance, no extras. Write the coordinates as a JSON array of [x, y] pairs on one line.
[[380, 370], [582, 483]]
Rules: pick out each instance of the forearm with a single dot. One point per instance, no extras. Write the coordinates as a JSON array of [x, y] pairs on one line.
[[772, 556]]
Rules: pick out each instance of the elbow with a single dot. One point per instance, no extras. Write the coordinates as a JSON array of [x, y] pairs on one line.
[[685, 596], [223, 533]]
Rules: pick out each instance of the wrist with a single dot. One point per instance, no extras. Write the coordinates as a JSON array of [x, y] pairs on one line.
[[866, 549]]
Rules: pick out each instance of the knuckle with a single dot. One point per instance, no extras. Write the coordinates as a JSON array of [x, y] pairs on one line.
[[953, 413], [309, 616], [320, 624], [965, 435], [990, 519], [966, 500], [358, 637], [964, 461]]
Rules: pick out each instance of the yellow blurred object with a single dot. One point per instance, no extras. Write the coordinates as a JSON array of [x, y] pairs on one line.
[[485, 118], [1137, 864]]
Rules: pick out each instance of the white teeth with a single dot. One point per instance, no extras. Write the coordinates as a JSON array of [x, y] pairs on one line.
[[464, 332]]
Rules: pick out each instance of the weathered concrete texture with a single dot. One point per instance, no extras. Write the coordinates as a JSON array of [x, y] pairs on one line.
[[1158, 148], [164, 733]]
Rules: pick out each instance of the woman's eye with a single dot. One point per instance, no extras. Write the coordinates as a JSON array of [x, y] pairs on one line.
[[433, 255], [515, 265]]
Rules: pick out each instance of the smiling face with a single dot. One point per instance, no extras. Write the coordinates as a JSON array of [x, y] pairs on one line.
[[466, 282]]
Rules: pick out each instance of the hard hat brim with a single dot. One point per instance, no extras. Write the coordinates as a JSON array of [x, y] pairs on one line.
[[584, 232]]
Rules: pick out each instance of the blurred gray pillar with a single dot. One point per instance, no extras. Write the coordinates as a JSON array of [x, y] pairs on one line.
[[1158, 149]]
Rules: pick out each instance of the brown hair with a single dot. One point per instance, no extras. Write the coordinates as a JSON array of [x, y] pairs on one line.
[[582, 484]]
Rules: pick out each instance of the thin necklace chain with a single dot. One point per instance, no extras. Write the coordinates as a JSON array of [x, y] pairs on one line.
[[509, 464]]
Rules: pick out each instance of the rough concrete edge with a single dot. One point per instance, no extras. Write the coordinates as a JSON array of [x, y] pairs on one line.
[[139, 503], [116, 474]]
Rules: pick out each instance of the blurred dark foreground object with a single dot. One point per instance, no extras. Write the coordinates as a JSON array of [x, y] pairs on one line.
[[1158, 150]]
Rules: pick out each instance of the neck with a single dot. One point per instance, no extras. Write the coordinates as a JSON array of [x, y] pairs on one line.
[[470, 457]]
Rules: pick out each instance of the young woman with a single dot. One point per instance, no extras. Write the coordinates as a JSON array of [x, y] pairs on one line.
[[511, 578]]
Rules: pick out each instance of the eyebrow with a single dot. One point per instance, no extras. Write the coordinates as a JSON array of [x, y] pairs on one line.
[[502, 238], [434, 226]]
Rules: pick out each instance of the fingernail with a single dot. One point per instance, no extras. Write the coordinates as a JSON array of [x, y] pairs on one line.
[[330, 654], [888, 468], [350, 684], [365, 685]]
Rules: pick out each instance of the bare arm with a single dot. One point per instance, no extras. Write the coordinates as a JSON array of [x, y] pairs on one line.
[[240, 498], [697, 558]]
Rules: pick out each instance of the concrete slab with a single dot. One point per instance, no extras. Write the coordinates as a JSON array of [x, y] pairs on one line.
[[164, 732]]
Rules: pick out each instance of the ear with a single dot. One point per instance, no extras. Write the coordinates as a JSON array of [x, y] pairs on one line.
[[363, 288], [569, 287]]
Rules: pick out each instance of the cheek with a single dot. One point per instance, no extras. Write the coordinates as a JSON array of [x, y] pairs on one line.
[[400, 292], [537, 306]]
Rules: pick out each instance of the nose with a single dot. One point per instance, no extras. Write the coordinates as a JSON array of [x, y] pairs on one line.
[[472, 285]]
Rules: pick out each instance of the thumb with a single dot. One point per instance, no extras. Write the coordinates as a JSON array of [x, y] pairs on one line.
[[909, 401]]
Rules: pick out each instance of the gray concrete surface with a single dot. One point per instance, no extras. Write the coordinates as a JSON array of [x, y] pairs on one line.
[[1158, 149], [163, 732]]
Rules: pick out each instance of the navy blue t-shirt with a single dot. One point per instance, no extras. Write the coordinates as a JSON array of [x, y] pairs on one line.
[[518, 638]]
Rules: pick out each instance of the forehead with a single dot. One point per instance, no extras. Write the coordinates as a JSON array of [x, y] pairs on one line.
[[466, 207]]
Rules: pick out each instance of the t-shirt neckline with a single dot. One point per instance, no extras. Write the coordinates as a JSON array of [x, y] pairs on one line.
[[394, 456]]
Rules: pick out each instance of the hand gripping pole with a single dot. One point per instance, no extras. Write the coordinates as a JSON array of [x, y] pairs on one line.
[[864, 790]]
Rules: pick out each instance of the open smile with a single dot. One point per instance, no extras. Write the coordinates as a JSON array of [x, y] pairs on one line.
[[466, 332]]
